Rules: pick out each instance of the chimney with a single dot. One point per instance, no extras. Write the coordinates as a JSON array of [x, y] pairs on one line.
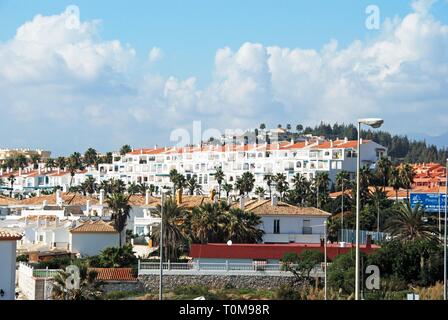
[[147, 197], [179, 196], [331, 144], [274, 201], [38, 192], [59, 170], [242, 202], [44, 203], [360, 141], [58, 197], [38, 170], [141, 151], [88, 207], [345, 140], [20, 171], [101, 197], [306, 142]]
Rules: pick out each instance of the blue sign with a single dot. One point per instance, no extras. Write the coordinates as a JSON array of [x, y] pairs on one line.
[[431, 202]]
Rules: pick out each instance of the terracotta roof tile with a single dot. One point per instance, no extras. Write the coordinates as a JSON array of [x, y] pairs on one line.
[[114, 274], [264, 207], [9, 234], [98, 226]]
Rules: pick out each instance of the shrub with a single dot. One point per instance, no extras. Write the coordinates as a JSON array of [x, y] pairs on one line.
[[286, 292]]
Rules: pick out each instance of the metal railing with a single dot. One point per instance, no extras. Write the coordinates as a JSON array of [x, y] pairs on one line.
[[196, 267]]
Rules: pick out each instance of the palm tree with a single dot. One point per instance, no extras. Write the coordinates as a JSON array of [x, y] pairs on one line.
[[174, 231], [321, 183], [219, 176], [35, 158], [90, 157], [365, 179], [260, 192], [193, 186], [281, 185], [301, 187], [88, 186], [74, 164], [248, 181], [383, 168], [61, 163], [269, 178], [378, 197], [227, 187], [19, 162], [125, 149], [395, 181], [133, 188], [50, 164], [299, 128], [89, 287], [262, 126], [342, 181], [119, 205], [243, 227], [177, 179], [407, 175], [407, 224]]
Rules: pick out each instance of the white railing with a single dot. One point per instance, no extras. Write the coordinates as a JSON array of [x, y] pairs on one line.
[[192, 268]]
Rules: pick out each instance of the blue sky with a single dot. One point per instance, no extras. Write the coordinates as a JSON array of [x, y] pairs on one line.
[[190, 35]]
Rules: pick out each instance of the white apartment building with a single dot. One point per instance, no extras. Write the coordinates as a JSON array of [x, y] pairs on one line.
[[152, 166]]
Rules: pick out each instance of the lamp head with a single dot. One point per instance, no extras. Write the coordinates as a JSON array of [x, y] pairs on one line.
[[372, 122]]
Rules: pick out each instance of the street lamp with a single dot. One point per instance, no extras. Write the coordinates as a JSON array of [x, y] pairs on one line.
[[444, 237], [374, 123], [162, 202], [325, 259]]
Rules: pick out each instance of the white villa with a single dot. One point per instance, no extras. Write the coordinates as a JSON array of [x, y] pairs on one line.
[[8, 242], [152, 166]]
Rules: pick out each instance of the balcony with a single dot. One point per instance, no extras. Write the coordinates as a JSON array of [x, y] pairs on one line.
[[291, 237]]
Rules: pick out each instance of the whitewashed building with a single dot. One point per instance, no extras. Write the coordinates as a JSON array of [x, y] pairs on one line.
[[152, 166], [8, 243], [91, 237]]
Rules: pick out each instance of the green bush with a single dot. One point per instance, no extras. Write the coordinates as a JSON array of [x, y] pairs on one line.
[[22, 258], [286, 292]]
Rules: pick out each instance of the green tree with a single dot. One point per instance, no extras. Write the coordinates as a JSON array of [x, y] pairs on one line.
[[115, 257], [301, 265], [125, 149], [90, 157], [174, 230], [269, 179], [260, 192], [383, 169], [74, 163], [281, 185], [88, 289], [408, 224], [407, 175], [219, 176], [395, 181], [119, 205]]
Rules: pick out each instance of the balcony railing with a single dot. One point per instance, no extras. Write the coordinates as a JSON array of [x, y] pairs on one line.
[[255, 268]]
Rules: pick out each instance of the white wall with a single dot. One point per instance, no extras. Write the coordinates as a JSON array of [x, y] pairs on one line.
[[293, 225], [90, 244], [8, 268]]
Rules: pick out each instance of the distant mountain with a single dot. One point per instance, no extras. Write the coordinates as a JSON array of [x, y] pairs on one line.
[[441, 141]]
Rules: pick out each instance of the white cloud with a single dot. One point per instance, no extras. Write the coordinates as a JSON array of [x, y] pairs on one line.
[[155, 54], [54, 78]]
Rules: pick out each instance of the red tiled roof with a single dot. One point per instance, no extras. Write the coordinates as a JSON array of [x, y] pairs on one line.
[[98, 226], [114, 274], [267, 251], [8, 234]]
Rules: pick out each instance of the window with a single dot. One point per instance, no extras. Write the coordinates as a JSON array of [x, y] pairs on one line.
[[41, 238], [307, 227], [276, 226]]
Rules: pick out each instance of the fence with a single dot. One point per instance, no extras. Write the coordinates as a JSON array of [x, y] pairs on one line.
[[218, 268], [35, 284], [349, 235]]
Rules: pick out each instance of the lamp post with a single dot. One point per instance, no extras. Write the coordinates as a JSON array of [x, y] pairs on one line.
[[444, 236], [374, 123], [162, 202], [325, 259]]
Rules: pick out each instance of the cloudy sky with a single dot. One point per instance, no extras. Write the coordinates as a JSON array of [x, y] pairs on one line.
[[132, 72]]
